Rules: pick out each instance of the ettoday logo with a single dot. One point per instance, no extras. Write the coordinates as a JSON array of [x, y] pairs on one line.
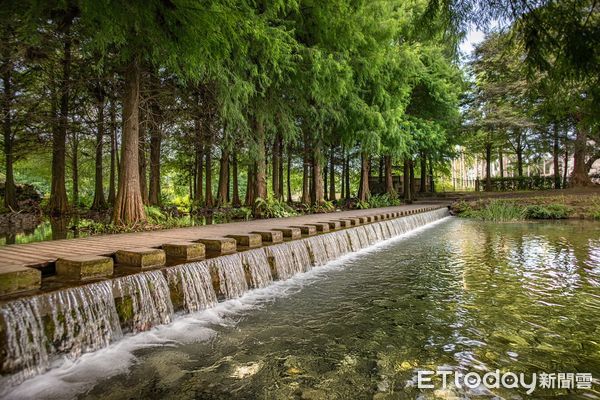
[[507, 380]]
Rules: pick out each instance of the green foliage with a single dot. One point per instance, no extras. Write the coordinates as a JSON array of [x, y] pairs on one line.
[[274, 208], [383, 200], [550, 211], [362, 205], [499, 211]]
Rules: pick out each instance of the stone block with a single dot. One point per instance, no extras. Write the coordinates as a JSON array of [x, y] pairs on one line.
[[18, 278], [184, 251], [81, 268], [289, 233], [306, 230], [320, 226], [219, 246], [143, 257], [333, 224], [270, 236], [345, 223], [247, 240]]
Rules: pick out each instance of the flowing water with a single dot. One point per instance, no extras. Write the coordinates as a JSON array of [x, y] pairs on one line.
[[459, 295]]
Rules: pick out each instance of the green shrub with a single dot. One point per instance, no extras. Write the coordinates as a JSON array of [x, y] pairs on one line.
[[550, 211], [155, 215], [273, 208], [384, 200], [362, 205]]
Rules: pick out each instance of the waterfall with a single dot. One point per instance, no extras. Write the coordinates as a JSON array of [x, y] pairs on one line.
[[84, 318], [232, 278], [316, 247], [144, 300], [71, 321], [24, 349], [353, 239], [257, 266], [289, 258], [194, 282]]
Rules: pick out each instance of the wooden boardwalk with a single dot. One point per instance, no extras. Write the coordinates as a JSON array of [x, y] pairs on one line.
[[43, 253]]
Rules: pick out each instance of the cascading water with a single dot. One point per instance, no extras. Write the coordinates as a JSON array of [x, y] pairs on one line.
[[83, 318], [257, 266], [285, 264], [144, 300], [24, 350], [69, 322], [86, 318], [232, 278], [194, 282]]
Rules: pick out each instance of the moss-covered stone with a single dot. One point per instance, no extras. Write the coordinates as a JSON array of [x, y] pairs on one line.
[[141, 257], [289, 233], [18, 278], [247, 240], [270, 236], [184, 251], [83, 268], [307, 230], [218, 246], [333, 224], [320, 226]]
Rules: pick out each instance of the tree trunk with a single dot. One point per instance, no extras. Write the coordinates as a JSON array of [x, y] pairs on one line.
[[347, 177], [488, 167], [332, 196], [412, 180], [289, 174], [380, 176], [129, 207], [519, 162], [58, 203], [406, 182], [261, 162], [305, 172], [276, 177], [234, 176], [579, 175], [113, 153], [389, 179], [208, 195], [99, 202], [423, 181], [431, 177], [155, 150], [317, 176], [363, 190], [143, 165], [326, 180], [10, 194], [75, 169], [199, 146], [564, 184], [556, 157], [250, 185], [223, 178]]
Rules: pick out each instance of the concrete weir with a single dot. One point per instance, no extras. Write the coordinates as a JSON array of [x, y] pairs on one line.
[[142, 292]]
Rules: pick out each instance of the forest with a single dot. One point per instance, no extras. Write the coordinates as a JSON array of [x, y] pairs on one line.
[[119, 106]]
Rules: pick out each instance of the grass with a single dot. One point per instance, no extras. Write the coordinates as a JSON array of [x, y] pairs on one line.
[[507, 211], [570, 203]]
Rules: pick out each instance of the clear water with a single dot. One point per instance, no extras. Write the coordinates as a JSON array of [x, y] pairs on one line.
[[464, 295]]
